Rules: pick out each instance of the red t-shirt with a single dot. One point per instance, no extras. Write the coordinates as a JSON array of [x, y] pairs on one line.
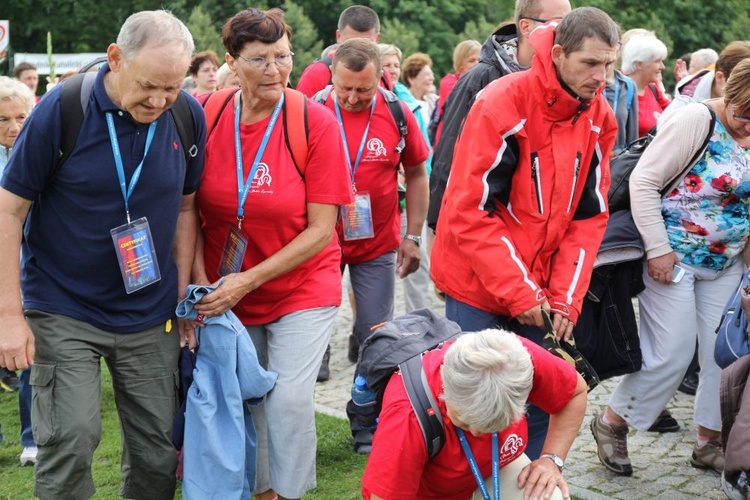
[[275, 210], [446, 87], [377, 174], [398, 467], [650, 107]]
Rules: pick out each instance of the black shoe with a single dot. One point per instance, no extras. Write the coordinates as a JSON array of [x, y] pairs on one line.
[[8, 380], [324, 373], [665, 422], [363, 442], [689, 384], [353, 353]]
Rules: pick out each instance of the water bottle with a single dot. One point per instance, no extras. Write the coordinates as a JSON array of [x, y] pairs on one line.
[[364, 403]]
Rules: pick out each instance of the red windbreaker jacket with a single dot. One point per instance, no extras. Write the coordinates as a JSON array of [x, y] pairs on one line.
[[526, 204]]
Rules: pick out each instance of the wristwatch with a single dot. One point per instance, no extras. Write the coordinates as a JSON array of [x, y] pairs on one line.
[[555, 459], [415, 239]]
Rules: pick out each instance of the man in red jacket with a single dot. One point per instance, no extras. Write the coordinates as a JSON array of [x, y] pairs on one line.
[[526, 204]]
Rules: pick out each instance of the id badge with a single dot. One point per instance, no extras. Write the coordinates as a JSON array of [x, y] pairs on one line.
[[357, 218], [136, 255], [233, 252]]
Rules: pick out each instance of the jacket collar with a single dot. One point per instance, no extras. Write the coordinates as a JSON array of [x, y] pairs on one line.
[[560, 103]]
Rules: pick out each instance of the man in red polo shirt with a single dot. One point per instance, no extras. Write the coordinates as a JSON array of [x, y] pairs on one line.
[[370, 228]]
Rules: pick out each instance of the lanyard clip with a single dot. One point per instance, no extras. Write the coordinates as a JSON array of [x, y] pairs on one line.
[[127, 216], [240, 218]]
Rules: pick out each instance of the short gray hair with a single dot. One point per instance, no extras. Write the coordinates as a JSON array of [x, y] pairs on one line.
[[702, 58], [487, 378], [15, 89], [641, 49], [153, 27]]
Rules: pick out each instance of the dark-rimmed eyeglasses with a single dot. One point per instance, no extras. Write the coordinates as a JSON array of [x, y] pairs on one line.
[[540, 21], [281, 61], [741, 118]]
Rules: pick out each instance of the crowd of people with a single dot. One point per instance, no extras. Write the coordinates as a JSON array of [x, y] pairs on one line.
[[489, 189]]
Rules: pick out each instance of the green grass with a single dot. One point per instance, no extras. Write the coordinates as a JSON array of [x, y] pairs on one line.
[[339, 468]]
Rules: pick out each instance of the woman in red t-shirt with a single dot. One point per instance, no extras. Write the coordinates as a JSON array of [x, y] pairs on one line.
[[643, 61], [465, 57], [481, 383], [268, 229], [203, 69]]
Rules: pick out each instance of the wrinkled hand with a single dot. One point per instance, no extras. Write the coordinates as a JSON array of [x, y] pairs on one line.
[[563, 327], [16, 344], [661, 268], [187, 333], [539, 479], [225, 297], [407, 259], [680, 70], [534, 315]]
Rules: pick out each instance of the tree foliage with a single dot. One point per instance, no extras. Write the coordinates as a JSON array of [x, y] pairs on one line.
[[432, 26]]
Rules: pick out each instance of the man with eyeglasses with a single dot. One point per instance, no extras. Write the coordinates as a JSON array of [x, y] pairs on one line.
[[526, 206], [370, 228], [107, 241], [506, 51]]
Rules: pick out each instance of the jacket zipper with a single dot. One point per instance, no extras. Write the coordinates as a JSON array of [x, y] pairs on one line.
[[536, 176], [576, 171]]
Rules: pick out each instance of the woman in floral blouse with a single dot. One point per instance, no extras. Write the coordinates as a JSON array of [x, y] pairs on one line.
[[701, 226]]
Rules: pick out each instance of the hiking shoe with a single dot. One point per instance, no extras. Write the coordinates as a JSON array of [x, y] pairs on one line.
[[665, 422], [708, 456], [353, 353], [28, 456], [689, 384], [735, 486], [612, 446], [8, 380], [363, 442], [324, 372]]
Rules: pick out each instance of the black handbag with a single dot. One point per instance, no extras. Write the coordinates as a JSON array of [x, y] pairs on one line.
[[567, 351], [622, 165]]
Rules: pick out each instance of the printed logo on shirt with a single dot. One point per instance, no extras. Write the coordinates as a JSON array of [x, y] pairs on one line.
[[376, 151], [262, 181], [511, 449]]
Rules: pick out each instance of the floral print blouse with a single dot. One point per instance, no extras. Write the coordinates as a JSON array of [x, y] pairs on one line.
[[706, 216]]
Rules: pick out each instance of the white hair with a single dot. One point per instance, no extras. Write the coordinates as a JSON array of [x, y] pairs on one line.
[[487, 378], [702, 58], [641, 49], [153, 27], [11, 88]]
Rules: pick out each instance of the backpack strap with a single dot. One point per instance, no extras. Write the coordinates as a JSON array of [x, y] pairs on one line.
[[214, 105], [652, 86], [394, 105], [321, 96], [74, 101], [183, 121], [697, 156], [295, 128], [424, 404], [630, 85]]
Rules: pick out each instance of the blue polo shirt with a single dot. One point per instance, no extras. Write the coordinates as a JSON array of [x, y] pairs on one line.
[[69, 263]]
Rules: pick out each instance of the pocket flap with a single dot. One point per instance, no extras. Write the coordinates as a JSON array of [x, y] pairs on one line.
[[42, 375]]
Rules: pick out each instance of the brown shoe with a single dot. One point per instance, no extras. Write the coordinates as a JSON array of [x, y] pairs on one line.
[[612, 446], [708, 456]]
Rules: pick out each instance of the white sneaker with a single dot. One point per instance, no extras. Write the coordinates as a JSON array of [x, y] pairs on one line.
[[28, 456]]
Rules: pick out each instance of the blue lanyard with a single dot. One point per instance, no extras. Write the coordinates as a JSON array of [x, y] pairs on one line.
[[617, 95], [353, 168], [475, 468], [244, 187], [127, 191]]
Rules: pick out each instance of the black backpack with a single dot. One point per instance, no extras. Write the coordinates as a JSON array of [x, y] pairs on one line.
[[74, 101], [394, 106], [622, 165], [398, 345]]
